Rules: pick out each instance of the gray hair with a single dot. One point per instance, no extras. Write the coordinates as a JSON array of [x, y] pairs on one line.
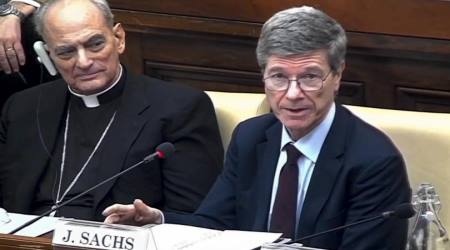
[[300, 31], [40, 14]]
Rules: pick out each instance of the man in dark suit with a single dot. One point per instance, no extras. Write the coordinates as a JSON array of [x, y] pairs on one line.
[[309, 166], [60, 138]]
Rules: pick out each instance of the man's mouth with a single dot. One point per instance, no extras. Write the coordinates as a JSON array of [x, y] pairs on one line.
[[296, 111], [87, 76]]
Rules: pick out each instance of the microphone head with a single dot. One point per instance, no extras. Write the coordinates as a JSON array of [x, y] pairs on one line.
[[165, 150], [404, 211]]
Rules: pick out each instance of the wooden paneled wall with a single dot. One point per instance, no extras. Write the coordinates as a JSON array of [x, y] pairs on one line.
[[398, 57]]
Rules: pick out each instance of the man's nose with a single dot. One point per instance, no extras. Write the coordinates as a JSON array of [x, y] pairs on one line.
[[83, 60], [294, 91]]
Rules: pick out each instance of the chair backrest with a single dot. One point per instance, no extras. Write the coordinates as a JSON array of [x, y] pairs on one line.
[[423, 138], [232, 108]]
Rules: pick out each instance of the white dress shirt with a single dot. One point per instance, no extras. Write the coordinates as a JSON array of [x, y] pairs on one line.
[[310, 146]]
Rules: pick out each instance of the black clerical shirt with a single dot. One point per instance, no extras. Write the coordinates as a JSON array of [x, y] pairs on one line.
[[86, 126]]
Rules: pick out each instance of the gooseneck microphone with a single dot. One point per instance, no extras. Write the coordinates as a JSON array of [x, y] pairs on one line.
[[164, 150], [402, 211]]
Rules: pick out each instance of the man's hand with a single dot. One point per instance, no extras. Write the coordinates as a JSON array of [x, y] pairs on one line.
[[136, 214], [11, 50]]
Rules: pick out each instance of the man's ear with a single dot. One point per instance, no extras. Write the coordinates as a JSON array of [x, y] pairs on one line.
[[342, 67], [338, 76], [340, 70], [119, 35]]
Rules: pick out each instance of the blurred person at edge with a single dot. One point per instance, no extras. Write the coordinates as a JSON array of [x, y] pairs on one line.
[[19, 67]]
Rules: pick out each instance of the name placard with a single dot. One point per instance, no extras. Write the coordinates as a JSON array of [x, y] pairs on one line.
[[96, 235]]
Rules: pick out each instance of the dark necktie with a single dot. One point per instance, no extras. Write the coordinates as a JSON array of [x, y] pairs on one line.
[[285, 207]]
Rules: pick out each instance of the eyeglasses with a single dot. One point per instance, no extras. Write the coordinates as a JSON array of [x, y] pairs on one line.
[[309, 82]]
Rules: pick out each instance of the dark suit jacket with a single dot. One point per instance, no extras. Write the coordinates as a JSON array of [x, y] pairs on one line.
[[359, 173], [151, 112]]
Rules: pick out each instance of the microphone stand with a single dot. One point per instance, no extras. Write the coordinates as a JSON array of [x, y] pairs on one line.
[[381, 216], [56, 207]]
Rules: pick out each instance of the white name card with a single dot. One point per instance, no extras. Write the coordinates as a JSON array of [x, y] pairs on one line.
[[96, 235]]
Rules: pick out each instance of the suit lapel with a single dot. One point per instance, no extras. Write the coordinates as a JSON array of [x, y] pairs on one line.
[[50, 109], [52, 105], [123, 132], [327, 167], [267, 158]]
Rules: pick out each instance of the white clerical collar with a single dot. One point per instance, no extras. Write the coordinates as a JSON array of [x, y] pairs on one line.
[[91, 101]]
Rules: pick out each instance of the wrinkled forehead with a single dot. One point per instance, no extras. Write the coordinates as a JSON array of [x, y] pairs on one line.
[[312, 59], [74, 29], [72, 16]]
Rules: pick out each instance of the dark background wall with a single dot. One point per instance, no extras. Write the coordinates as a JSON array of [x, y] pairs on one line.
[[399, 50], [398, 57]]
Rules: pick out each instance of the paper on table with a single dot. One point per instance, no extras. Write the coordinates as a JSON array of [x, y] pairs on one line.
[[40, 227], [237, 240], [177, 237], [172, 236]]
